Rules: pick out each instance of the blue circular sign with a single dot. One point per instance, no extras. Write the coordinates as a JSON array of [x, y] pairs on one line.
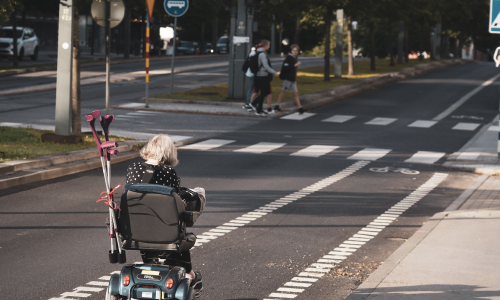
[[176, 8]]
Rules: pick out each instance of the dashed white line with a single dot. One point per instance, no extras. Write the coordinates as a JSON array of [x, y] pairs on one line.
[[328, 262], [208, 144], [370, 154], [422, 124], [297, 116], [466, 126], [339, 119], [261, 148], [381, 121]]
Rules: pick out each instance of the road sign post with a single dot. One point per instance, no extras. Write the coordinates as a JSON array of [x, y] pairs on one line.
[[175, 8], [64, 65], [108, 14], [494, 27], [338, 48]]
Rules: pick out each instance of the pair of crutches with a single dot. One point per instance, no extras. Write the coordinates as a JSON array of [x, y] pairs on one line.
[[116, 254]]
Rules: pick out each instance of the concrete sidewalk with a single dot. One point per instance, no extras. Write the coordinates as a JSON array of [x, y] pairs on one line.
[[455, 255]]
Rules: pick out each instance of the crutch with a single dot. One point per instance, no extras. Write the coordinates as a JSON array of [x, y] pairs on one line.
[[113, 254]]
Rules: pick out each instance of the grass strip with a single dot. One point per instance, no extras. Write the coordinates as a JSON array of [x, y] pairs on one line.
[[18, 143], [309, 80]]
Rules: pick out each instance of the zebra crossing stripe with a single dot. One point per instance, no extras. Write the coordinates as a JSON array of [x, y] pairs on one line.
[[466, 126], [319, 269], [422, 124], [261, 147], [425, 157], [381, 121], [314, 151], [297, 117], [338, 119], [208, 144], [243, 220], [370, 154]]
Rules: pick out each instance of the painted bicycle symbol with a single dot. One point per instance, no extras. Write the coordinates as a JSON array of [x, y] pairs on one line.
[[400, 170]]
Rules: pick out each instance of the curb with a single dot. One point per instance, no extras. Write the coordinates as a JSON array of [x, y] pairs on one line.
[[98, 62], [374, 280]]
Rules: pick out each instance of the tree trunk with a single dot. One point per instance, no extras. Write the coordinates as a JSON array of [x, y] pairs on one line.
[[75, 76], [14, 35], [407, 44], [421, 50], [350, 71], [296, 39], [372, 48], [391, 45], [431, 43], [457, 48], [328, 26]]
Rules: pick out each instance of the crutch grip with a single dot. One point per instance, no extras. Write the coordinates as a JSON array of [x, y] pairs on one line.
[[109, 144], [113, 152]]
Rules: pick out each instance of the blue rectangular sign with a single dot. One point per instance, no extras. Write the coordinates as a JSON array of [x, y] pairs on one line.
[[494, 16]]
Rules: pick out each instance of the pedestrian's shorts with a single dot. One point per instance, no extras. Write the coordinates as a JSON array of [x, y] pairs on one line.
[[290, 86]]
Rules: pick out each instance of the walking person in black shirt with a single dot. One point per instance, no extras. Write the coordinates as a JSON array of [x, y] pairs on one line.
[[289, 75]]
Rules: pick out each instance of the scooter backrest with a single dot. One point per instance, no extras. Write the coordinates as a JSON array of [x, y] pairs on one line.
[[151, 213]]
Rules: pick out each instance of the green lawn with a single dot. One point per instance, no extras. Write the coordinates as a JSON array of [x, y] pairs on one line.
[[24, 143], [309, 80]]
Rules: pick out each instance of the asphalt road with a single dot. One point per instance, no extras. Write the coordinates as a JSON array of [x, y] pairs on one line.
[[52, 234]]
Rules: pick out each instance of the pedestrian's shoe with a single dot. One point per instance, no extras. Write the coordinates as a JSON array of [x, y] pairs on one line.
[[301, 110], [277, 108], [270, 111], [247, 107], [252, 107], [262, 113]]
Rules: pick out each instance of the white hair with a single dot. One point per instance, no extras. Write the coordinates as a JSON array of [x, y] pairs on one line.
[[162, 149]]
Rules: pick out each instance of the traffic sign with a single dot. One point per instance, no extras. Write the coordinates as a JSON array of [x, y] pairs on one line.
[[494, 16], [98, 10], [496, 56], [176, 8], [151, 5]]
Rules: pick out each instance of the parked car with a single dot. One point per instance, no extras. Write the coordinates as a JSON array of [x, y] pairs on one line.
[[208, 48], [27, 43], [222, 45], [187, 47]]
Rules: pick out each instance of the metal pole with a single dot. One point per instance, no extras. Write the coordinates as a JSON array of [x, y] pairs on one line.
[[232, 31], [173, 59], [147, 60], [64, 66], [273, 37], [108, 49]]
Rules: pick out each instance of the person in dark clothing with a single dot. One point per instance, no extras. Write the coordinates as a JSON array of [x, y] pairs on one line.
[[160, 154], [262, 79], [289, 74]]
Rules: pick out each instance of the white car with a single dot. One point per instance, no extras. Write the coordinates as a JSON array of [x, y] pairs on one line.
[[27, 43]]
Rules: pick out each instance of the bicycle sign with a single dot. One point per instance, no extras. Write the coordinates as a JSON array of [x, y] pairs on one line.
[[400, 170], [176, 8]]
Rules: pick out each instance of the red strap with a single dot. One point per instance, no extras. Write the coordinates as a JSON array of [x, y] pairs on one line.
[[108, 198]]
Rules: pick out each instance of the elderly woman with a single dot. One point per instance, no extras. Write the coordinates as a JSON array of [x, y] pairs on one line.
[[160, 154]]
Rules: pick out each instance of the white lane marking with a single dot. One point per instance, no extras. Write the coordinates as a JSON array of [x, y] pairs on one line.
[[88, 289], [138, 114], [208, 144], [149, 112], [466, 126], [298, 117], [178, 138], [422, 124], [296, 196], [133, 104], [99, 283], [281, 295], [338, 119], [315, 151], [370, 154], [461, 101], [494, 128], [105, 278], [381, 121], [415, 196], [425, 157], [261, 147], [75, 294]]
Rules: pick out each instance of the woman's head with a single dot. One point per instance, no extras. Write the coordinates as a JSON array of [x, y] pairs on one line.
[[162, 149], [294, 49]]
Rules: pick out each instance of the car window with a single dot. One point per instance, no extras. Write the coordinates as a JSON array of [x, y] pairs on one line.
[[222, 40], [7, 33]]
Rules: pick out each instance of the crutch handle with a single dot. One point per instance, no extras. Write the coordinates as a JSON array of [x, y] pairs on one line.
[[109, 144], [113, 152]]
